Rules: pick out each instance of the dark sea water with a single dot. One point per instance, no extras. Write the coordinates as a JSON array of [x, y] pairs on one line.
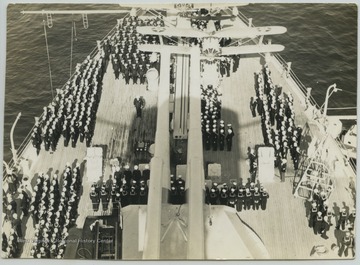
[[321, 43]]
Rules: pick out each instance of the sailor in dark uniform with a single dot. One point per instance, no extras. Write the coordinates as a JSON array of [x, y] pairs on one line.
[[348, 244], [113, 192], [222, 140], [104, 198], [313, 214], [252, 187], [214, 139], [73, 137], [117, 200], [351, 219], [4, 242], [240, 199], [143, 193], [316, 196], [16, 225], [134, 73], [207, 139], [127, 173], [253, 104], [282, 169], [25, 202], [136, 174], [342, 219], [10, 208], [318, 223], [324, 208], [142, 74], [118, 176], [88, 135], [173, 195], [256, 199], [229, 136], [133, 195], [124, 195], [213, 195], [181, 194], [53, 251], [264, 198], [146, 173], [325, 226], [224, 196], [232, 199], [247, 199]]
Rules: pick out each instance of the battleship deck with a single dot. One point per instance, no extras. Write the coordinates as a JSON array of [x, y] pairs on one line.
[[282, 227]]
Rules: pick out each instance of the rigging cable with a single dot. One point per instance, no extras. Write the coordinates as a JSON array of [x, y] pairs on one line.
[[71, 45], [48, 55], [342, 108]]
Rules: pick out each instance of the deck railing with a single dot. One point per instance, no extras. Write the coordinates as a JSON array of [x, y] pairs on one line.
[[291, 74], [25, 143]]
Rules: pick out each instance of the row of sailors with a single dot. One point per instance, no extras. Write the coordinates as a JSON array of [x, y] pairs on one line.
[[279, 106], [240, 197], [129, 187], [213, 136], [157, 21], [127, 60], [48, 190], [16, 208], [225, 66], [135, 71], [120, 194], [216, 138], [320, 219], [17, 203], [10, 246], [128, 31], [125, 173], [210, 103], [73, 112], [287, 135], [320, 201], [54, 212]]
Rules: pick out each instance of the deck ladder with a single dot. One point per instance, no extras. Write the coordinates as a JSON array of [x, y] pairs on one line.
[[85, 21], [49, 20]]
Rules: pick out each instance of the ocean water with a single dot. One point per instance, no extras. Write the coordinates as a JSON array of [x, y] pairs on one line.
[[321, 43]]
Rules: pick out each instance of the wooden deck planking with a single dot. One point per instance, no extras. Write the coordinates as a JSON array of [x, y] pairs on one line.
[[115, 120], [237, 91], [283, 227]]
